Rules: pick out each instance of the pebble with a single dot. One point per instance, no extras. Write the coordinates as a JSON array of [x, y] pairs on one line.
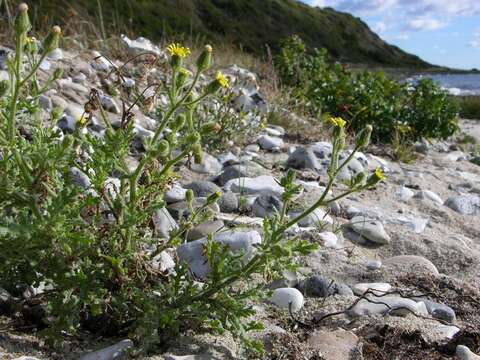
[[319, 286], [267, 206], [202, 188], [175, 194], [464, 204], [374, 264], [375, 288], [303, 158], [163, 262], [229, 202], [210, 165], [45, 102], [404, 194], [179, 210], [330, 240], [429, 195], [109, 104], [204, 229], [369, 229], [67, 124], [247, 169], [446, 331], [164, 223], [189, 357], [259, 185], [283, 297], [79, 178], [193, 252], [411, 263], [440, 311], [396, 306], [464, 353], [114, 352], [317, 218], [270, 143]]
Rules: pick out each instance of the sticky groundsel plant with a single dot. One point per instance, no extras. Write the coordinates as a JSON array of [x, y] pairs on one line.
[[85, 239]]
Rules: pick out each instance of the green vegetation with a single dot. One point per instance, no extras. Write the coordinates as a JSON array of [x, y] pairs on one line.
[[394, 109], [86, 238], [346, 37], [469, 106]]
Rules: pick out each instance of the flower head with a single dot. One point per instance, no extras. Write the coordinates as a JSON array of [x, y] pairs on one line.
[[379, 174], [222, 80], [82, 120], [337, 122], [29, 39], [178, 50]]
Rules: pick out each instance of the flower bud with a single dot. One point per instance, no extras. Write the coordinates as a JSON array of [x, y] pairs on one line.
[[189, 195], [182, 76], [58, 73], [211, 127], [205, 59], [360, 179], [193, 138], [22, 22], [3, 88], [31, 46], [197, 153], [51, 41], [180, 121], [363, 138], [163, 148], [213, 198]]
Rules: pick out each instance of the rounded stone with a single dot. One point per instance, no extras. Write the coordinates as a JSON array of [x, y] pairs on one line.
[[287, 298]]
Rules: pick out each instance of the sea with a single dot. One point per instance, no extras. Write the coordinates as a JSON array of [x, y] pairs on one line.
[[455, 84]]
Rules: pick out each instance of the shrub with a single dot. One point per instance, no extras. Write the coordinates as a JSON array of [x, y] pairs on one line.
[[469, 106], [422, 110], [69, 227]]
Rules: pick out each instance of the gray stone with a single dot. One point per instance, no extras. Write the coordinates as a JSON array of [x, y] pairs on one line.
[[464, 353], [330, 240], [79, 178], [193, 252], [374, 264], [109, 104], [202, 188], [163, 223], [45, 102], [404, 194], [288, 299], [303, 158], [252, 148], [370, 229], [319, 286], [260, 185], [270, 143], [163, 262], [204, 229], [429, 195], [175, 194], [59, 102], [179, 210], [440, 311], [67, 124], [392, 305], [246, 169], [266, 206], [464, 204], [317, 218], [114, 352], [228, 202], [210, 165], [376, 288], [190, 357]]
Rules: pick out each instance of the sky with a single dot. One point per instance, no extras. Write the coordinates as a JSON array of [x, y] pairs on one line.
[[442, 32]]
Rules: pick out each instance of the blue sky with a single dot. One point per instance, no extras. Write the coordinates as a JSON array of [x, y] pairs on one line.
[[443, 32]]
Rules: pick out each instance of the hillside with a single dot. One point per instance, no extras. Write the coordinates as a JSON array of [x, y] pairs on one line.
[[250, 24]]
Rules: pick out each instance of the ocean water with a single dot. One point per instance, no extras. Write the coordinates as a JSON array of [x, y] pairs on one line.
[[456, 84]]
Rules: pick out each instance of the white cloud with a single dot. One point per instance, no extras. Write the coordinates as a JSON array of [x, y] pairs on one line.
[[424, 24], [380, 27], [475, 43]]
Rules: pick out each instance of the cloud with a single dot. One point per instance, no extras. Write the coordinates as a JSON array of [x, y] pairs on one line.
[[380, 27], [475, 43], [424, 24], [357, 6]]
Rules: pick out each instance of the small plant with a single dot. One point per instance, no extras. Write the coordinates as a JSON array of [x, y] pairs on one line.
[[367, 97], [69, 226]]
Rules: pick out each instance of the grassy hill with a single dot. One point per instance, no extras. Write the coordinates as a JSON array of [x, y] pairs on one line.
[[250, 24]]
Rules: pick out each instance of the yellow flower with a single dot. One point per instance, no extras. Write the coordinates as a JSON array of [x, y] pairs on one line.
[[82, 120], [221, 79], [178, 50], [337, 122], [29, 39], [379, 174]]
